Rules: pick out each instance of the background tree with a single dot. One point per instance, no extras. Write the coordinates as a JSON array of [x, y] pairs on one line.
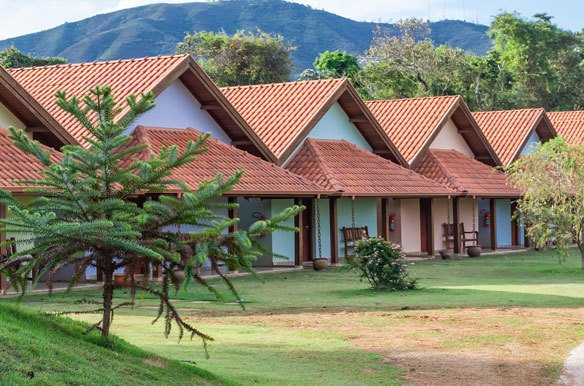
[[410, 57], [552, 179], [12, 58], [242, 58], [89, 212], [337, 64]]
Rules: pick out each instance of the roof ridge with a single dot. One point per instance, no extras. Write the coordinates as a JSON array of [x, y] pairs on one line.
[[414, 99], [323, 166], [262, 85], [540, 109], [96, 62]]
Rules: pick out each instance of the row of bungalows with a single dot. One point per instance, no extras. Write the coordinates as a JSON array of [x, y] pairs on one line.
[[399, 168]]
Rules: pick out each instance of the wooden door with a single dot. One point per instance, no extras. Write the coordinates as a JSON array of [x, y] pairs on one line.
[[426, 235], [308, 230]]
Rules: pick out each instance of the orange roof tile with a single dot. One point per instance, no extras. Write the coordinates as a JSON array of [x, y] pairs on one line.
[[129, 77], [17, 165], [14, 97], [282, 114], [413, 123], [569, 124], [260, 178], [509, 130], [348, 170], [464, 174]]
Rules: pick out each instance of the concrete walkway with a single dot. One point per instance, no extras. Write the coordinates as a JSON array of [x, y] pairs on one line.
[[573, 373], [41, 288]]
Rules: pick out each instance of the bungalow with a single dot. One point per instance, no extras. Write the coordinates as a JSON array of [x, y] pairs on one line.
[[569, 125], [323, 131], [19, 110], [439, 138], [185, 98], [513, 133]]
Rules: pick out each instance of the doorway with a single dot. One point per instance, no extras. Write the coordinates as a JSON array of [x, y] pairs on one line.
[[426, 232]]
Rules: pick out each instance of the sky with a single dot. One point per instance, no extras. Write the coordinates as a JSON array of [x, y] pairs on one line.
[[26, 16]]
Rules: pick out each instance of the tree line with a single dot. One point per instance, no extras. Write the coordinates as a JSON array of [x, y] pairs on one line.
[[533, 63]]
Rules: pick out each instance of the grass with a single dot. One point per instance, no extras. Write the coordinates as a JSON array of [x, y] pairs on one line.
[[55, 351], [493, 313]]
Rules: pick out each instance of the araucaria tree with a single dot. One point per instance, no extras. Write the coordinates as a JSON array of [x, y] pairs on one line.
[[90, 210], [552, 181]]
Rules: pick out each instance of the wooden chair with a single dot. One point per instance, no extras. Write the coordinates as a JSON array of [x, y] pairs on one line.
[[468, 237], [448, 236], [351, 235]]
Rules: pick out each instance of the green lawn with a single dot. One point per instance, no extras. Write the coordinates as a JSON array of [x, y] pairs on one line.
[[308, 327]]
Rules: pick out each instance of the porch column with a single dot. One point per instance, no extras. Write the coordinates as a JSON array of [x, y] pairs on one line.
[[3, 281], [493, 209], [299, 237], [334, 230], [456, 224]]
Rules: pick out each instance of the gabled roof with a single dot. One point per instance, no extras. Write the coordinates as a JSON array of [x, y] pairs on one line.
[[464, 174], [569, 125], [412, 124], [283, 114], [14, 97], [134, 76], [16, 165], [348, 170], [508, 131], [260, 178]]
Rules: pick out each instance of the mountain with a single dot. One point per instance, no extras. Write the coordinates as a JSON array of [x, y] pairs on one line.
[[156, 29]]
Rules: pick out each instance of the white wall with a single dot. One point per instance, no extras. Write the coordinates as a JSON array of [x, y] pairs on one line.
[[177, 108], [531, 144], [8, 119], [335, 124], [449, 139], [283, 242], [465, 214]]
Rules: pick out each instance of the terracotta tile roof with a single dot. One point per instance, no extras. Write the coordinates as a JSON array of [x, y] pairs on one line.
[[569, 124], [412, 124], [464, 174], [260, 178], [282, 114], [16, 165], [132, 77], [508, 130], [14, 97], [348, 170]]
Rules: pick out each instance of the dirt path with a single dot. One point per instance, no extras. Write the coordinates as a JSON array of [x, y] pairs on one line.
[[497, 346]]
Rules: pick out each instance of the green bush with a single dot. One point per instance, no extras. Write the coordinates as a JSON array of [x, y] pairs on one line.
[[382, 264]]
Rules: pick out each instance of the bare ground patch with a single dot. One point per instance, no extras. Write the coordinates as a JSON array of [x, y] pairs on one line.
[[486, 346]]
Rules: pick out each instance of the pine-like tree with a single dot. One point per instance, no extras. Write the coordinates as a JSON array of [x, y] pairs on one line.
[[90, 210]]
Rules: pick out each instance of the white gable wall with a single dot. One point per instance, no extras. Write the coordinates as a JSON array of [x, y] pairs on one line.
[[177, 108], [449, 139], [335, 124], [531, 144], [8, 119]]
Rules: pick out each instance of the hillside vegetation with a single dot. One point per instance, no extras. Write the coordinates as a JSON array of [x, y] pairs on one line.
[[156, 29], [55, 351]]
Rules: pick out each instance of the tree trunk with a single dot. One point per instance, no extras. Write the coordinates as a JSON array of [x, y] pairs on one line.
[[108, 295]]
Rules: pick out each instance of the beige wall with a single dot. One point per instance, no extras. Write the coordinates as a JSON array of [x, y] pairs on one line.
[[440, 216], [449, 139], [8, 119], [410, 225]]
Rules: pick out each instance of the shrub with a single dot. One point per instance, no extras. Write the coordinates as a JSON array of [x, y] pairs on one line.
[[382, 264]]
